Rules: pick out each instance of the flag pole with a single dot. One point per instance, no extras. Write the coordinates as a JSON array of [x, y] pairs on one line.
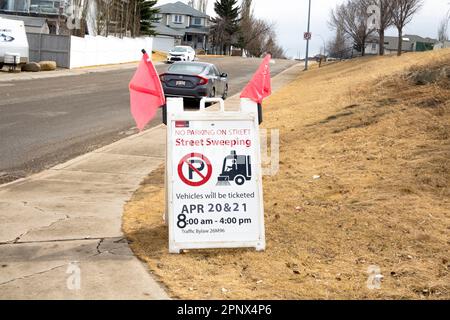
[[260, 113], [164, 106]]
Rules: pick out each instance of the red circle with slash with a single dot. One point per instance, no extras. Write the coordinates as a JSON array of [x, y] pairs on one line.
[[186, 161]]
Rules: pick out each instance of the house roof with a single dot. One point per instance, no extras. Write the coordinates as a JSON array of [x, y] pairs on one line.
[[180, 8], [162, 29], [414, 38], [34, 22]]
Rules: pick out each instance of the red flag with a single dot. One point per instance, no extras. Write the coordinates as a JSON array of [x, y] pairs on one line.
[[260, 86], [146, 93]]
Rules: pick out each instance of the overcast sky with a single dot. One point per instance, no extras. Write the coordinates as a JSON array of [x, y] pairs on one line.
[[290, 17]]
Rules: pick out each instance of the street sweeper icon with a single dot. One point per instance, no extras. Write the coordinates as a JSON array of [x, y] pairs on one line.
[[237, 168]]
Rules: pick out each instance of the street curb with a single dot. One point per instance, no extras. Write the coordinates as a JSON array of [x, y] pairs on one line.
[[26, 76]]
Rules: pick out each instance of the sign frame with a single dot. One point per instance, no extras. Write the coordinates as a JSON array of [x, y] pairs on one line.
[[248, 112]]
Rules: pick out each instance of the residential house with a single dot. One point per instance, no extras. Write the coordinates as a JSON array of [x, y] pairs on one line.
[[187, 25], [411, 43]]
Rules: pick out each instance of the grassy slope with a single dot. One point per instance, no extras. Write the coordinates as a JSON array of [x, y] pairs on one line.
[[382, 148]]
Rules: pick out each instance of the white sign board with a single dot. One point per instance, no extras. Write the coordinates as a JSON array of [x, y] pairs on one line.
[[214, 183]]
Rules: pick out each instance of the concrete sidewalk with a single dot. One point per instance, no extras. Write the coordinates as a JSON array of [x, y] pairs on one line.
[[69, 218], [8, 77]]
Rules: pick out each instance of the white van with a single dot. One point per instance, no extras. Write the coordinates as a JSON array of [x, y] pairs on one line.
[[13, 40]]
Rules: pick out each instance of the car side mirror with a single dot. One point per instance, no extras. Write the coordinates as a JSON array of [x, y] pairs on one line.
[[224, 75]]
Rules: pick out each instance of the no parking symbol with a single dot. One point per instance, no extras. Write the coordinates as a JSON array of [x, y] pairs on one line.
[[195, 169]]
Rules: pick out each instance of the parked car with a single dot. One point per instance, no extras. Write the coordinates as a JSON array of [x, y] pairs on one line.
[[194, 80], [181, 53]]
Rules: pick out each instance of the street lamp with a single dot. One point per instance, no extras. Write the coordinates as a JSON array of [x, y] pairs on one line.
[[307, 40]]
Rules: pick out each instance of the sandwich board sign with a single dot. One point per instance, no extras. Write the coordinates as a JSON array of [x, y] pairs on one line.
[[214, 193]]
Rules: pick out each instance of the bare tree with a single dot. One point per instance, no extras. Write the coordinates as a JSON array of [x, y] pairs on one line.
[[443, 28], [246, 24], [386, 21], [351, 18], [272, 46], [261, 30], [402, 14], [339, 47], [253, 32]]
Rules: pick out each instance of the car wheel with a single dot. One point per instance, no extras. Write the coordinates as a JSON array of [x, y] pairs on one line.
[[239, 180], [225, 93], [1, 65], [212, 94]]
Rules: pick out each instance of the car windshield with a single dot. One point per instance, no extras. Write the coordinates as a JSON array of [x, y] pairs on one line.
[[179, 49], [188, 68]]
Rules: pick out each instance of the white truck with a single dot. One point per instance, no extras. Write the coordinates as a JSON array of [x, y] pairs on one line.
[[13, 42]]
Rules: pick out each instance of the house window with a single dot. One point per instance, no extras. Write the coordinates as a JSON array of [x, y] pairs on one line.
[[177, 18], [374, 46], [197, 21]]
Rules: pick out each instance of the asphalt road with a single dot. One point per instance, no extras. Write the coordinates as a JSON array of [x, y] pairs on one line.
[[48, 121]]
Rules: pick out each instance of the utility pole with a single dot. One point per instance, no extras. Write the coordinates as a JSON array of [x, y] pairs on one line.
[[307, 41]]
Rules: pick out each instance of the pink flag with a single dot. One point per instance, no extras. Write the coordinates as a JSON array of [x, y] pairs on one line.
[[260, 86], [146, 93]]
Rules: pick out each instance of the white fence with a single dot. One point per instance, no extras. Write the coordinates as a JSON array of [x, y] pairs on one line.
[[93, 51]]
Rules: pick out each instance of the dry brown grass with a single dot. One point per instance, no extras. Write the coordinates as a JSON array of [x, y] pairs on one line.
[[381, 145], [159, 56]]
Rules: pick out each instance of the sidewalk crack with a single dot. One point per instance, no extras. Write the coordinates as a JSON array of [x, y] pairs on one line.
[[17, 239], [32, 275], [99, 244]]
